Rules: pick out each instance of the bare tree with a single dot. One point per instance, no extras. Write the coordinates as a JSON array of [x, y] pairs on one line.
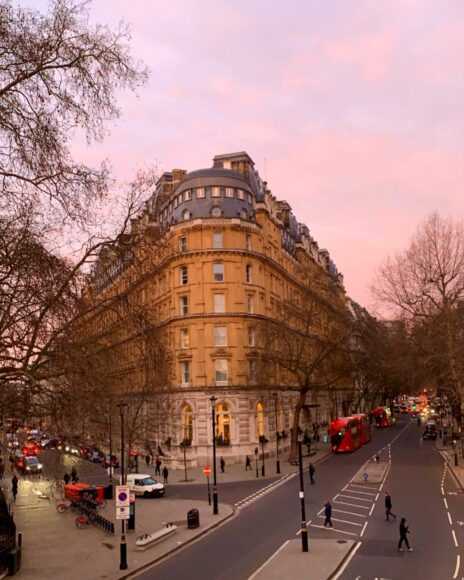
[[305, 347], [58, 75], [426, 285]]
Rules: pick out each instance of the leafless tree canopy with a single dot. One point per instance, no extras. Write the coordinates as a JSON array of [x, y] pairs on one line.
[[58, 74]]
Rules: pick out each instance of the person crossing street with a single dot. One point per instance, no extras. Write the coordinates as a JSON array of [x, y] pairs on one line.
[[388, 507], [404, 531], [328, 514]]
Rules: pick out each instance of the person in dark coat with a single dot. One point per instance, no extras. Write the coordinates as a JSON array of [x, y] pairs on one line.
[[247, 463], [404, 531], [158, 466], [388, 507], [66, 478], [165, 474], [312, 471], [74, 477], [328, 514], [147, 459], [14, 486], [222, 463]]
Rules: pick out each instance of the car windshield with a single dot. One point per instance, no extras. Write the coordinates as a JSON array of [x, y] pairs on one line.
[[148, 481], [32, 460]]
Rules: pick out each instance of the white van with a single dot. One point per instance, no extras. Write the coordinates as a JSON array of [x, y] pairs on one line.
[[145, 485]]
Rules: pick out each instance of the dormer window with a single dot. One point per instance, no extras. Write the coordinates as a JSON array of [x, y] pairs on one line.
[[229, 192], [200, 192], [187, 195], [216, 212], [240, 194], [186, 215], [215, 192], [243, 214], [250, 199]]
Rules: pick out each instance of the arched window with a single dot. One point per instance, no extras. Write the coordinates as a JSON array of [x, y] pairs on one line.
[[243, 214], [260, 419], [187, 423], [216, 212], [186, 215], [223, 423]]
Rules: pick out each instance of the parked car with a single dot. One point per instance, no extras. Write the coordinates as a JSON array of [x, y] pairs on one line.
[[114, 461], [97, 456], [430, 432], [144, 485]]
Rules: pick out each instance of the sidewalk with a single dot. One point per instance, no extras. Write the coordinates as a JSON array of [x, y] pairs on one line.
[[55, 549], [236, 472], [458, 471]]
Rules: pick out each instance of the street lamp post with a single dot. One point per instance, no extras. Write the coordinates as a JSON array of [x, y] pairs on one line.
[[215, 490], [304, 529], [263, 469], [256, 460], [123, 546], [277, 434], [110, 469]]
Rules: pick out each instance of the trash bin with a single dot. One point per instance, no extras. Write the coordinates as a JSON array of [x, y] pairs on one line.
[[13, 561], [193, 519], [109, 492]]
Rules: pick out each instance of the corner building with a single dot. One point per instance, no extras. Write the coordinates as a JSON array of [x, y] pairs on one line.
[[230, 250]]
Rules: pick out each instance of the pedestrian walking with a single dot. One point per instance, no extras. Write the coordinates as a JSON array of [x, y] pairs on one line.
[[74, 478], [66, 478], [388, 507], [158, 466], [222, 463], [165, 474], [328, 514], [312, 471], [404, 531], [147, 459], [247, 463], [14, 486], [2, 468]]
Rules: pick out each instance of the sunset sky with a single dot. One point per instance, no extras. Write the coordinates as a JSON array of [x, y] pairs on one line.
[[357, 106]]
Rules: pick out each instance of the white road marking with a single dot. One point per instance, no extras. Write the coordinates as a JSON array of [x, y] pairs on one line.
[[361, 492], [335, 530], [352, 504], [446, 503], [454, 538], [342, 521], [347, 561], [450, 520], [336, 497], [351, 497], [361, 486], [350, 513], [442, 490], [268, 560], [458, 563], [363, 530], [307, 524], [372, 509]]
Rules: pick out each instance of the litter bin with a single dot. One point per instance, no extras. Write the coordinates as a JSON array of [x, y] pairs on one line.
[[13, 561], [108, 492], [193, 519]]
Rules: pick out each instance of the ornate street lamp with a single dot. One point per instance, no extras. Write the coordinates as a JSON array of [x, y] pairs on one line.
[[304, 529], [215, 491], [276, 396]]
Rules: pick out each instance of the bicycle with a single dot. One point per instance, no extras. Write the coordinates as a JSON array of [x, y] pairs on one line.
[[84, 521]]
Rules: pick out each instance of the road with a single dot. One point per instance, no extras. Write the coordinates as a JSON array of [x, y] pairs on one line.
[[424, 492], [239, 547]]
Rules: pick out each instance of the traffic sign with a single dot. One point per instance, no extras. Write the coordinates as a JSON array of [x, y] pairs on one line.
[[122, 496], [122, 513], [207, 470]]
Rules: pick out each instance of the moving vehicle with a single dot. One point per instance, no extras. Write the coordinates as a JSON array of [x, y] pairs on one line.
[[144, 485], [114, 462], [364, 427], [31, 448], [382, 417], [32, 465], [430, 432], [345, 434]]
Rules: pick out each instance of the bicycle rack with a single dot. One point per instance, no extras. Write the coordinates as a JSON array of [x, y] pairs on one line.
[[82, 507]]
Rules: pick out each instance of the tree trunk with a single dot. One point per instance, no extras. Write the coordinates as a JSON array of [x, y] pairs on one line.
[[296, 423]]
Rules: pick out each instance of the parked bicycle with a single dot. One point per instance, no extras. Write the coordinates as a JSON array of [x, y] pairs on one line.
[[84, 521]]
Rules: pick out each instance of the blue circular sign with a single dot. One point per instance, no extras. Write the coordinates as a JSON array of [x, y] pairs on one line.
[[122, 496]]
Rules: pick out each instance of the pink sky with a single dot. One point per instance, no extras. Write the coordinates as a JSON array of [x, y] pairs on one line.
[[357, 106]]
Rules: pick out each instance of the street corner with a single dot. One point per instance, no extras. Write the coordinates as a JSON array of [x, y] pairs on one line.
[[324, 559]]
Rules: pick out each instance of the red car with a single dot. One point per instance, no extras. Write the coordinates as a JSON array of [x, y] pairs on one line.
[[31, 449]]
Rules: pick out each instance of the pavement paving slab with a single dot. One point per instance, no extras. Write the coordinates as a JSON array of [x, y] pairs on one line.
[[321, 562]]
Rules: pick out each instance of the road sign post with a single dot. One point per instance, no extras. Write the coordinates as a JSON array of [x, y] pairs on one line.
[[207, 472]]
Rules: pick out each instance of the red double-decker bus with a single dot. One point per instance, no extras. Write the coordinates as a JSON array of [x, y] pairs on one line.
[[364, 427], [345, 435], [382, 417]]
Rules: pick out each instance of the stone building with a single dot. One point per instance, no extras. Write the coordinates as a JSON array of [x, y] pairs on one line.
[[226, 250]]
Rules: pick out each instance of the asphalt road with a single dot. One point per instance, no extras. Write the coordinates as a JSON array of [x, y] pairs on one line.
[[236, 549], [424, 494]]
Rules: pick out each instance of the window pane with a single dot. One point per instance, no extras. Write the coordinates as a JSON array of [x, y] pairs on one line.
[[185, 372], [200, 192], [218, 269], [184, 275], [184, 338], [220, 336], [250, 304], [240, 194], [248, 242], [217, 239], [183, 305], [251, 336], [248, 275], [215, 192], [229, 192], [219, 303], [183, 243], [221, 370]]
